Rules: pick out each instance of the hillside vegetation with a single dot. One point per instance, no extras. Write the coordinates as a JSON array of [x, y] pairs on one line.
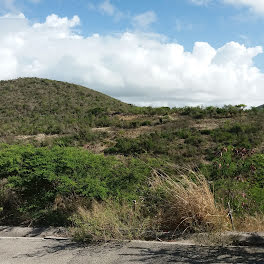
[[70, 155], [32, 105]]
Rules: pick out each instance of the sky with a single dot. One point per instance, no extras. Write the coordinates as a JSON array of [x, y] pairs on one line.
[[144, 52]]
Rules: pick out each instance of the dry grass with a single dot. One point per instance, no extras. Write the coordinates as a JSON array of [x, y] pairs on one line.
[[249, 223], [187, 204], [190, 203], [110, 220]]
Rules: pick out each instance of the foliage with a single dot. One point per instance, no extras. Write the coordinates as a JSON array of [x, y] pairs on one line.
[[213, 112], [143, 144], [45, 181], [238, 179], [38, 176], [239, 134], [30, 106]]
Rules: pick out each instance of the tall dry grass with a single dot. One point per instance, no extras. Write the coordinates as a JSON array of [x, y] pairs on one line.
[[250, 223], [189, 202], [186, 203], [110, 220]]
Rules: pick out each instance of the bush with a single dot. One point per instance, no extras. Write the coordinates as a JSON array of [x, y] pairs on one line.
[[238, 134], [39, 176], [238, 178], [152, 143], [146, 123], [194, 140], [213, 112]]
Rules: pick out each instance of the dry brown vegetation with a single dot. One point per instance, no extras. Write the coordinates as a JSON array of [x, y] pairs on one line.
[[111, 220], [186, 204], [250, 223], [190, 203]]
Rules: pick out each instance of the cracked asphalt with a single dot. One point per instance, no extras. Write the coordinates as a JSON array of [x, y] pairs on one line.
[[14, 250]]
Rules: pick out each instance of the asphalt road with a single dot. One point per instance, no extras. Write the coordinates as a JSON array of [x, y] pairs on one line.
[[47, 251]]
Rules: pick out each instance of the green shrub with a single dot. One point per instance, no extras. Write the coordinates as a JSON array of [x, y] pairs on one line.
[[239, 134], [38, 176], [194, 140], [146, 123], [152, 143], [238, 178]]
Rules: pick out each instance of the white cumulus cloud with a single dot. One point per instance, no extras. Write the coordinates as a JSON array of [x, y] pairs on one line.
[[136, 67], [53, 21]]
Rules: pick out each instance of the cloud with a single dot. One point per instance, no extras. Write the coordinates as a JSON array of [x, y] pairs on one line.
[[144, 20], [53, 21], [256, 6], [107, 8], [13, 16], [8, 5], [181, 25], [140, 68], [139, 21], [11, 6]]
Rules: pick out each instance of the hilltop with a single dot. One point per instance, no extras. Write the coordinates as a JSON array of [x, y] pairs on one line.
[[33, 105]]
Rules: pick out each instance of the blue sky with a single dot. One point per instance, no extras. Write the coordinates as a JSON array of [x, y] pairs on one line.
[[180, 20], [210, 39]]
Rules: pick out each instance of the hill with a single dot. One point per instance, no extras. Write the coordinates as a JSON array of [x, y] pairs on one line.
[[47, 112], [66, 145], [32, 106]]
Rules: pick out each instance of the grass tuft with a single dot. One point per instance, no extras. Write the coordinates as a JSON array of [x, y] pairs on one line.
[[110, 220], [189, 203]]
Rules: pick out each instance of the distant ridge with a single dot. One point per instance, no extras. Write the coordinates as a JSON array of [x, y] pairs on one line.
[[33, 105]]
